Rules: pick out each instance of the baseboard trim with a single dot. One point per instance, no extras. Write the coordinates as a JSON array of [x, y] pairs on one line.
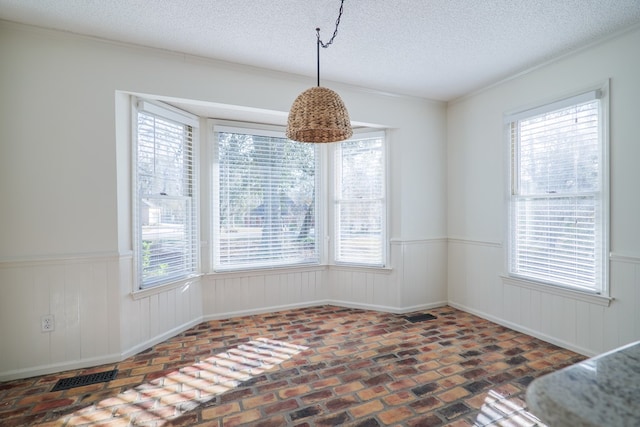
[[263, 310], [422, 307], [544, 337], [117, 358], [159, 338], [58, 367], [337, 303], [95, 361], [388, 309]]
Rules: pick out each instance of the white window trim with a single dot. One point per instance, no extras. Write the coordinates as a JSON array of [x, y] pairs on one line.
[[325, 227], [575, 294], [216, 125], [603, 296]]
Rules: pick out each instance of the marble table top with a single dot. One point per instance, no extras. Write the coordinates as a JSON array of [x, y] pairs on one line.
[[601, 391]]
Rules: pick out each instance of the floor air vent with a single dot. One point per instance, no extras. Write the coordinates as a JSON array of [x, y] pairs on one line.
[[81, 380], [420, 317]]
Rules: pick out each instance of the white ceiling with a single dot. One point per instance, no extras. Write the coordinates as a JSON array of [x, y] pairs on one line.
[[438, 49]]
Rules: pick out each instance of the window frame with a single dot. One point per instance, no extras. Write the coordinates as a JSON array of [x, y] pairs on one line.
[[601, 288], [216, 126], [175, 115], [325, 225], [333, 202]]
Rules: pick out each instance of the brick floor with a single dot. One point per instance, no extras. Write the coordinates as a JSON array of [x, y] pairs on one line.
[[320, 366]]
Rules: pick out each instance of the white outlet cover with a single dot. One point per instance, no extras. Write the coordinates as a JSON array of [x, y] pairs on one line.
[[47, 323]]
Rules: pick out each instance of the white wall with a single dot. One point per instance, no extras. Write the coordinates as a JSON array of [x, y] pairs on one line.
[[477, 169], [65, 245]]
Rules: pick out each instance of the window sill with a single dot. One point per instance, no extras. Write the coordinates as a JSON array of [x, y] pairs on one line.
[[266, 271], [363, 268], [158, 289], [575, 294], [296, 269]]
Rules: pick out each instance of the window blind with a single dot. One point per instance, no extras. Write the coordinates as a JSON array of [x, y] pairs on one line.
[[166, 197], [265, 200], [360, 210], [556, 198]]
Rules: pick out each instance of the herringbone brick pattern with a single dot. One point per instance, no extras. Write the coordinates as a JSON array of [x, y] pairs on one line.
[[320, 366]]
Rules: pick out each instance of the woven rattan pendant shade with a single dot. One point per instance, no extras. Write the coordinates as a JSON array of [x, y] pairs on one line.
[[318, 115]]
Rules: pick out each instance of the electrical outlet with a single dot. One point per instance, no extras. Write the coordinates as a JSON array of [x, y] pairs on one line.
[[48, 323]]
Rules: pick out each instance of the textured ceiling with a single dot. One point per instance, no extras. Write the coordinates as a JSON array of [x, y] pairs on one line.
[[438, 49]]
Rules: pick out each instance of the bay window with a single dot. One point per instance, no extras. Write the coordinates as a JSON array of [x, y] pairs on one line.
[[268, 202]]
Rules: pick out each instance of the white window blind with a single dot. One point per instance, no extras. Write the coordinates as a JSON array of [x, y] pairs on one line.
[[360, 208], [166, 226], [264, 200], [557, 195]]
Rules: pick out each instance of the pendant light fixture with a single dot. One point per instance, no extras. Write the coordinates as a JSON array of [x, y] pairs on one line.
[[318, 114]]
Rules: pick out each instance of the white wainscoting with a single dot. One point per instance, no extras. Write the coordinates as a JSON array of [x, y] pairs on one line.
[[155, 315], [80, 292], [416, 280], [422, 270], [473, 276], [96, 319], [476, 286], [226, 295], [365, 288]]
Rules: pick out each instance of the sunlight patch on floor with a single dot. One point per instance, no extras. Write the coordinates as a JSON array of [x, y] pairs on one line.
[[505, 411], [170, 396]]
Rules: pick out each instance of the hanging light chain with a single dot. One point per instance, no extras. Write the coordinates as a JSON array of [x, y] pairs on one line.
[[335, 32], [318, 114]]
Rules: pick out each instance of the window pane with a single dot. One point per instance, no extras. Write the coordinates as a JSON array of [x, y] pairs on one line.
[[360, 207], [360, 233], [166, 243], [166, 248], [361, 169], [266, 212], [164, 157], [560, 151], [556, 240]]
